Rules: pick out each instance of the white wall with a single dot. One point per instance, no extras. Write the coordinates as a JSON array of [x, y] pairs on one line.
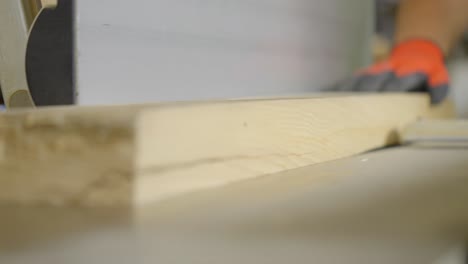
[[154, 50]]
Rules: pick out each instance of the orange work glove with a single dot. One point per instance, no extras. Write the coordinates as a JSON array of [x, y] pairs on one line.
[[415, 65]]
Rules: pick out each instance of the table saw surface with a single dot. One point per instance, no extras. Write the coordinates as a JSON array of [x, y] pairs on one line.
[[398, 205]]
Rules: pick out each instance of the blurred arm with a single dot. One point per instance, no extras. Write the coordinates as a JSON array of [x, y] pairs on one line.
[[441, 21]]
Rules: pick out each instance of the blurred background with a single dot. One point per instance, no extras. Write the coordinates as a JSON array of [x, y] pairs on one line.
[[119, 51], [146, 50], [188, 49]]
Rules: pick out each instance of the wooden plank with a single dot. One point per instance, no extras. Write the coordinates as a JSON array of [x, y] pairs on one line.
[[128, 155]]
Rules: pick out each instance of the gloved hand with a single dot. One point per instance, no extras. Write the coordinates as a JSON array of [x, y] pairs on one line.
[[415, 66]]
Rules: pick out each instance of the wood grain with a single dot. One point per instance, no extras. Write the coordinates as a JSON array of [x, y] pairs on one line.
[[132, 155]]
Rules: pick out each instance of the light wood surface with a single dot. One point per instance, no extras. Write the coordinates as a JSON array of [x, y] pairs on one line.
[[132, 155], [398, 205]]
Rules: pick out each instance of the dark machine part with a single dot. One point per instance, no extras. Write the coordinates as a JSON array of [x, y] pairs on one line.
[[386, 11], [50, 56]]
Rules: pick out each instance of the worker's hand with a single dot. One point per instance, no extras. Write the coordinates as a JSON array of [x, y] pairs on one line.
[[414, 65]]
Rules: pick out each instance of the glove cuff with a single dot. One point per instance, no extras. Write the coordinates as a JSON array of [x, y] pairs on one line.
[[417, 48]]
